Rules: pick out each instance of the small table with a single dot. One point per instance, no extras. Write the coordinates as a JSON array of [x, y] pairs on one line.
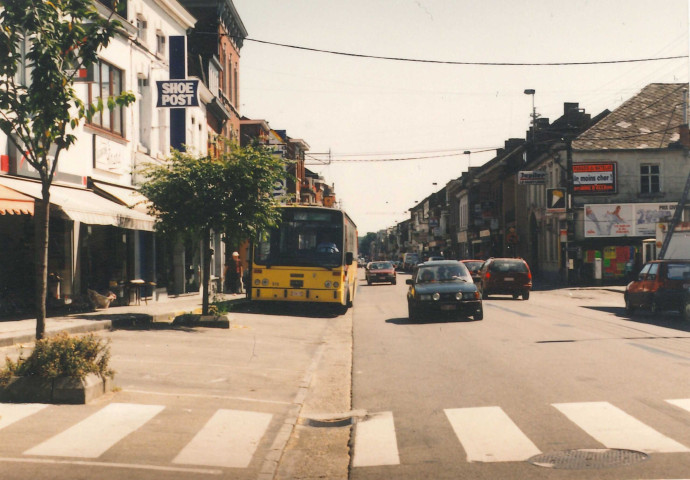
[[136, 285]]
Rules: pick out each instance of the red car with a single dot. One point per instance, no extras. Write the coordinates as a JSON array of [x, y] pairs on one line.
[[377, 272], [507, 276], [474, 266]]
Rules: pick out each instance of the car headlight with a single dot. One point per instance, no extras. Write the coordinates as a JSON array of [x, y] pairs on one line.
[[436, 296], [458, 296]]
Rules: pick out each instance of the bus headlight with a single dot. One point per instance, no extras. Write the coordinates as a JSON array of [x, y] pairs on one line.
[[264, 282], [336, 284], [257, 282], [327, 284]]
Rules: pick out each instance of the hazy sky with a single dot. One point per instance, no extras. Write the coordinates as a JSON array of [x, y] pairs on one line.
[[369, 112]]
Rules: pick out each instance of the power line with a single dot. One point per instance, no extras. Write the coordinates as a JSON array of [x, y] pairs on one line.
[[448, 62], [399, 159]]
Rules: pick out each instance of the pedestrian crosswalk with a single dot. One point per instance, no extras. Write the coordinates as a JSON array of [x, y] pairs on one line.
[[488, 434], [231, 438]]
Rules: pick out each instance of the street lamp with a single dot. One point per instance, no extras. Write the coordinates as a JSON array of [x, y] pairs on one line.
[[531, 91]]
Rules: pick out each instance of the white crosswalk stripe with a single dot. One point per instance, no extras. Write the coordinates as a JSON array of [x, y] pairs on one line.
[[229, 439], [488, 435], [94, 435], [376, 442], [13, 412], [616, 429]]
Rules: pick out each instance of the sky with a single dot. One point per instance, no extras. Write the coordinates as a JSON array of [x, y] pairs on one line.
[[387, 133]]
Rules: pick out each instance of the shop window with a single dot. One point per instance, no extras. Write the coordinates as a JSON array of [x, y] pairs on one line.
[[107, 82], [650, 179]]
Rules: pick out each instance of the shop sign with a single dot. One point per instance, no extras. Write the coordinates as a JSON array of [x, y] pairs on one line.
[[594, 178], [532, 177], [178, 93], [555, 200]]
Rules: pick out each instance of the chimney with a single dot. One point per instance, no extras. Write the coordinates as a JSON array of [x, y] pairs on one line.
[[684, 132]]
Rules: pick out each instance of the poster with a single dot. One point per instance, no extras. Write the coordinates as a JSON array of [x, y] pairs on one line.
[[625, 219]]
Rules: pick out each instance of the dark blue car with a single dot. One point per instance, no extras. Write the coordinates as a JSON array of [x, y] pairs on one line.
[[446, 287]]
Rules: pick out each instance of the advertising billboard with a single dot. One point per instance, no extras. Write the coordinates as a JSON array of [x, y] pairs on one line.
[[594, 178], [626, 219]]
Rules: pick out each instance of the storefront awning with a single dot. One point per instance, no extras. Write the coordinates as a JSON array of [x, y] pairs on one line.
[[83, 205], [130, 197], [15, 203]]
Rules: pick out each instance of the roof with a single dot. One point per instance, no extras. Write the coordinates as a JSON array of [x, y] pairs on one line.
[[649, 120]]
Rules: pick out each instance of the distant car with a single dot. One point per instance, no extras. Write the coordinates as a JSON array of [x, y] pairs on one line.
[[660, 285], [443, 287], [506, 276], [474, 266], [433, 259], [377, 272]]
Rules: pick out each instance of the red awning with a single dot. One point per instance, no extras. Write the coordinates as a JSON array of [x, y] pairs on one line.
[[15, 203]]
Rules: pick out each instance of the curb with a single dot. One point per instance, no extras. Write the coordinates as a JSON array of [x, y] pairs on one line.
[[31, 337]]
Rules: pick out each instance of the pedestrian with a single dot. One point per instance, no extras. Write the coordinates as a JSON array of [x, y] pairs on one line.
[[236, 271]]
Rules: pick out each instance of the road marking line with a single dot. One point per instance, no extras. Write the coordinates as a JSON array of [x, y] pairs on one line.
[[13, 412], [616, 429], [683, 403], [94, 435], [136, 466], [488, 435], [375, 441], [229, 439]]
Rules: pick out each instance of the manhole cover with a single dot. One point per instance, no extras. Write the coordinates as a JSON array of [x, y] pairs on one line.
[[584, 459]]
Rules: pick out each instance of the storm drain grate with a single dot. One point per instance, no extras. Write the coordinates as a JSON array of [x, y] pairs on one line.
[[588, 459]]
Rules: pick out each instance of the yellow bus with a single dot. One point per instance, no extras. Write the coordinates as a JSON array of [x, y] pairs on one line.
[[310, 257]]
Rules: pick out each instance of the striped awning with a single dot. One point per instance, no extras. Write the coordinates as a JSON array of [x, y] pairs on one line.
[[15, 203]]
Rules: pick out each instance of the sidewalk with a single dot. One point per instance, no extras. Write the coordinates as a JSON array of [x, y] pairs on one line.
[[24, 331]]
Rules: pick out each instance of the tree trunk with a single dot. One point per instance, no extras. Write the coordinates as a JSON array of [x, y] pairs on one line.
[[41, 229], [206, 270]]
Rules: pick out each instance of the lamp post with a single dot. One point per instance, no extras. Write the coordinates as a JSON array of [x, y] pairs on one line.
[[531, 91], [469, 159]]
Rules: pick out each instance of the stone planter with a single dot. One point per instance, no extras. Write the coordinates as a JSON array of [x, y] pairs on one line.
[[70, 390]]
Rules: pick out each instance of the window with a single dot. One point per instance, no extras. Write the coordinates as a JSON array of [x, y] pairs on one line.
[[107, 82], [160, 43], [141, 28], [650, 179]]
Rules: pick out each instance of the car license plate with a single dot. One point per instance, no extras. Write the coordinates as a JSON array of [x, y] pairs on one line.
[[509, 279], [296, 293], [447, 307]]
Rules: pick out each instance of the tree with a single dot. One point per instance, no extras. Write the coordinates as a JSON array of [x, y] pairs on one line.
[[52, 40], [199, 194], [365, 243]]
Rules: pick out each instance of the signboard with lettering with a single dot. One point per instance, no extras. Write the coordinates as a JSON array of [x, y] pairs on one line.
[[626, 219], [594, 178], [178, 93], [533, 177]]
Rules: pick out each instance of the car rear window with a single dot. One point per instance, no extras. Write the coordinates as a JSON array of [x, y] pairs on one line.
[[508, 266], [381, 266]]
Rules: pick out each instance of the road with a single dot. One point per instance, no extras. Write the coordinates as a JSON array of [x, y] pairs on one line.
[[562, 371]]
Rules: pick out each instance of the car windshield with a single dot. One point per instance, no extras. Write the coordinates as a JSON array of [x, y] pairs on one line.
[[509, 266], [381, 266], [443, 273]]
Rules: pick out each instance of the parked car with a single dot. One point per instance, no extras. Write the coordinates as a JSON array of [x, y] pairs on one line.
[[433, 259], [474, 266], [377, 272], [507, 276], [660, 285], [443, 287]]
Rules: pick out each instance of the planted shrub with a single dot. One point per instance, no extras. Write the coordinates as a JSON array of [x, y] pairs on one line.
[[62, 356]]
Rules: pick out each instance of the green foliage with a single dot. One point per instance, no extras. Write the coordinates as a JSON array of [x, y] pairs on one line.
[[230, 194], [62, 356]]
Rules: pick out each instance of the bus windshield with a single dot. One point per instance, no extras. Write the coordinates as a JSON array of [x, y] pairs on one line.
[[303, 238]]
